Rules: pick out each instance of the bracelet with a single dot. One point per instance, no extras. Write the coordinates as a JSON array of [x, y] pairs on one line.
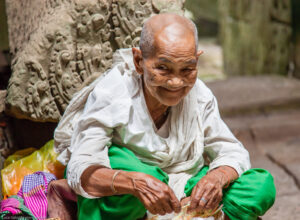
[[228, 181], [112, 182]]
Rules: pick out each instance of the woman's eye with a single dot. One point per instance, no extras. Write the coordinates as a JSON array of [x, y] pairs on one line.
[[187, 70], [162, 68]]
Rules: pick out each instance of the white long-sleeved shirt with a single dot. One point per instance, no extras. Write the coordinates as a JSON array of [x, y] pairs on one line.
[[116, 111]]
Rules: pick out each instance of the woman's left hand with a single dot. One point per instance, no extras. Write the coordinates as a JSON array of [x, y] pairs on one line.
[[207, 194]]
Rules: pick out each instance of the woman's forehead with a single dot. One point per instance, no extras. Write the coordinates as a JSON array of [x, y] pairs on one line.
[[175, 47], [188, 60]]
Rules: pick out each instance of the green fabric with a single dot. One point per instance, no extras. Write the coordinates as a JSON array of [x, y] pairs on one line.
[[125, 207], [248, 197]]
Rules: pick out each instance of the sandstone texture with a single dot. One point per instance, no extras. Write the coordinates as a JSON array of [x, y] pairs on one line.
[[3, 27], [2, 100], [256, 36], [57, 44], [259, 94]]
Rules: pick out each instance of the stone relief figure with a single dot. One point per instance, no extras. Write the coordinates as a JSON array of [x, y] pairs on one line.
[[39, 102], [63, 77], [70, 41]]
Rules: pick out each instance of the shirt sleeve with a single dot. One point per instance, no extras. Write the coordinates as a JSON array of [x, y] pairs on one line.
[[220, 144], [106, 108]]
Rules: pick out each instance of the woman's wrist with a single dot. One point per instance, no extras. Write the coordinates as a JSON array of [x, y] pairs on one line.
[[219, 176], [225, 174], [122, 183]]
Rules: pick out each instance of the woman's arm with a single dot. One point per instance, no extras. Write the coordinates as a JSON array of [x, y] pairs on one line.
[[156, 196]]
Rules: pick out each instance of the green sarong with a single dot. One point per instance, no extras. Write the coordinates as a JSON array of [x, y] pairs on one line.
[[250, 196]]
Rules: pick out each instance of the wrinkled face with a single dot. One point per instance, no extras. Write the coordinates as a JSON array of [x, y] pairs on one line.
[[171, 72]]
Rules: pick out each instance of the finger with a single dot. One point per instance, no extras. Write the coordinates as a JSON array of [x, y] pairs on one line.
[[147, 203], [197, 193], [174, 202], [203, 201], [185, 201], [152, 206], [158, 205], [167, 206], [207, 197], [165, 201], [216, 201], [212, 200]]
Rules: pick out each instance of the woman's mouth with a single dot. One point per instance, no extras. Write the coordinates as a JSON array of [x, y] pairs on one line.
[[172, 90]]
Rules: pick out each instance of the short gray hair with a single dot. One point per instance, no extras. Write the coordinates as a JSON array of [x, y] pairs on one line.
[[147, 38]]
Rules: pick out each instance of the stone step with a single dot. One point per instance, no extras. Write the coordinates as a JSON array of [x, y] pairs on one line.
[[285, 208], [271, 127], [256, 95]]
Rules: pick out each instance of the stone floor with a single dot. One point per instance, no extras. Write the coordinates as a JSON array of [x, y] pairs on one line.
[[264, 113]]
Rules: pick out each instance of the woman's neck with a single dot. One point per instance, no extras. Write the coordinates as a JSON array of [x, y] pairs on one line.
[[157, 110]]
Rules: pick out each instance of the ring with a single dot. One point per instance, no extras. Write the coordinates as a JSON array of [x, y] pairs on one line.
[[204, 200]]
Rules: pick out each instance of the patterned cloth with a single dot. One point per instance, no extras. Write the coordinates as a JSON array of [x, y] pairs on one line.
[[34, 191], [14, 205], [31, 200]]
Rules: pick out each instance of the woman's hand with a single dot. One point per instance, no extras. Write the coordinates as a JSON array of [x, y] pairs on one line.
[[207, 194], [156, 196]]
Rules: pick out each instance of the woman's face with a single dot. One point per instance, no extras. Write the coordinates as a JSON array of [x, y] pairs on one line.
[[171, 72]]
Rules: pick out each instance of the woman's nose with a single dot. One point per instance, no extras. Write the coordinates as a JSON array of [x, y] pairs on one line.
[[174, 82]]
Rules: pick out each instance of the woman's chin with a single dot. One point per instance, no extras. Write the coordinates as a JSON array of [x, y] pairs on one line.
[[170, 101]]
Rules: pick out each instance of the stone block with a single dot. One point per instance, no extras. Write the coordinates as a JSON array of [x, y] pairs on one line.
[[3, 27], [205, 15], [287, 155], [259, 94], [2, 100], [57, 44], [286, 207], [255, 36]]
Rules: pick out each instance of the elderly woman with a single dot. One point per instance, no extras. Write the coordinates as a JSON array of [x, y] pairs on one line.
[[150, 137]]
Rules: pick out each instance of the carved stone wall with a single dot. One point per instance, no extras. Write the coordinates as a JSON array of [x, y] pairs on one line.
[[256, 36], [57, 44]]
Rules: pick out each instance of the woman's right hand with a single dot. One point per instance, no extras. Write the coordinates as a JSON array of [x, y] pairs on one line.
[[156, 196]]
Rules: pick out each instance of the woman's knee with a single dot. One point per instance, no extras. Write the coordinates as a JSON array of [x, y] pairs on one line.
[[263, 182], [251, 195]]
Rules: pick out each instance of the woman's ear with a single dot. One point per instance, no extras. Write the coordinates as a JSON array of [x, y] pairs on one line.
[[199, 52], [137, 60]]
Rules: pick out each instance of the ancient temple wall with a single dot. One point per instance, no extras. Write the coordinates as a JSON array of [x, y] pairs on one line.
[[58, 44], [256, 36]]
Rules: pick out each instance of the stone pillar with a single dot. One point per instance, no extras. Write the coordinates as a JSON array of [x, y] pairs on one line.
[[3, 27], [256, 36], [296, 36], [57, 44], [205, 16]]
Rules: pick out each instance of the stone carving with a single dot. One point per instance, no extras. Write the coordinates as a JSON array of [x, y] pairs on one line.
[[58, 44]]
